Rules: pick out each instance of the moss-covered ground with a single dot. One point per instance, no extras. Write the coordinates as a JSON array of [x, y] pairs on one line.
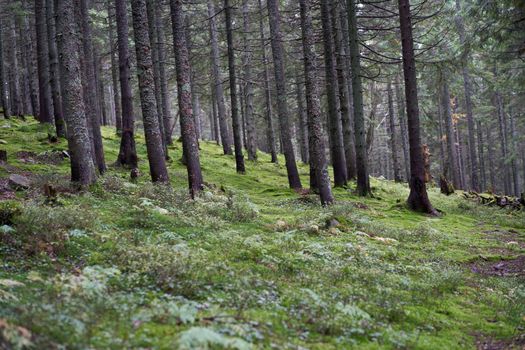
[[248, 264]]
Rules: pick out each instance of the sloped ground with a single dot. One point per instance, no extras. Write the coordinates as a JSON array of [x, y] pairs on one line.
[[250, 264]]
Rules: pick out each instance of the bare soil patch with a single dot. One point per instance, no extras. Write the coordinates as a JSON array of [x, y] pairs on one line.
[[503, 268]]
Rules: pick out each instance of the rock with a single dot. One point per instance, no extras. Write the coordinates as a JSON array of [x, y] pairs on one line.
[[161, 210], [332, 223], [313, 229], [17, 181], [280, 225]]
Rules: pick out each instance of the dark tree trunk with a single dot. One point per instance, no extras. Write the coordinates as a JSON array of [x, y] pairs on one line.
[[318, 163], [29, 60], [3, 78], [154, 145], [418, 198], [217, 79], [251, 136], [335, 127], [280, 83], [393, 136], [237, 133], [16, 92], [502, 124], [403, 127], [302, 121], [490, 151], [128, 153], [45, 112], [101, 96], [195, 103], [363, 181], [82, 166], [215, 122], [449, 131], [514, 160], [90, 87], [267, 92], [114, 69], [481, 155], [164, 90], [340, 43], [53, 69], [187, 123], [468, 103]]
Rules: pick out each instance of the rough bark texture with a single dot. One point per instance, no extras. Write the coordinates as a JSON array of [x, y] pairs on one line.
[[363, 182], [187, 124], [318, 164], [128, 153], [3, 89], [270, 131], [53, 69], [418, 198], [114, 69], [280, 84], [154, 145], [219, 91], [236, 123], [302, 122], [14, 74], [335, 127], [251, 136], [503, 132], [45, 111], [393, 135], [82, 165], [467, 83], [453, 171], [403, 127]]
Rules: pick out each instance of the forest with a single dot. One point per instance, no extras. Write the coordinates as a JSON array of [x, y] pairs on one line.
[[262, 174]]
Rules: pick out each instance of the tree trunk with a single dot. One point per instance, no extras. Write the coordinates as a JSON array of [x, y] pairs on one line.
[[236, 123], [393, 136], [514, 156], [90, 86], [280, 83], [418, 198], [16, 93], [53, 69], [318, 163], [467, 83], [334, 115], [251, 136], [217, 79], [481, 155], [490, 151], [187, 123], [3, 78], [29, 54], [502, 123], [114, 69], [363, 181], [302, 131], [45, 111], [449, 130], [270, 131], [82, 166], [154, 145], [403, 127], [127, 153]]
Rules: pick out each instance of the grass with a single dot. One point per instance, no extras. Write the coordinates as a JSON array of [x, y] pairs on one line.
[[249, 264]]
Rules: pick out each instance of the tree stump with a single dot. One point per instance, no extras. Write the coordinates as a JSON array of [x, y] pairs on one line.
[[446, 187]]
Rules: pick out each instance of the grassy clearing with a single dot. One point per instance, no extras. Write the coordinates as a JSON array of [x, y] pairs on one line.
[[250, 264]]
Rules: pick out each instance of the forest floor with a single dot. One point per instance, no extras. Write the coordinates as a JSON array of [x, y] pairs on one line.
[[249, 264]]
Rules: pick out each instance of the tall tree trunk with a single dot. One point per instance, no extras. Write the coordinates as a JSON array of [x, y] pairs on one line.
[[251, 136], [418, 198], [56, 92], [195, 103], [392, 132], [45, 107], [449, 131], [514, 156], [154, 144], [490, 151], [237, 133], [401, 112], [164, 89], [29, 54], [334, 115], [280, 83], [82, 166], [502, 124], [215, 122], [481, 155], [90, 86], [127, 153], [3, 77], [467, 83], [302, 120], [363, 181], [114, 69], [16, 93], [217, 79], [318, 163], [270, 131], [187, 123]]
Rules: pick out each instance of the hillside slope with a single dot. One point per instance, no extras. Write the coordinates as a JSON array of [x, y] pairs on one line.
[[249, 264]]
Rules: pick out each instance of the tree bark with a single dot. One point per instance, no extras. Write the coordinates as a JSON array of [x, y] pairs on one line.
[[302, 121], [187, 123], [45, 109], [114, 69], [280, 83], [449, 130], [127, 153], [251, 136], [481, 155], [393, 135], [363, 181], [318, 163], [490, 151], [82, 165], [217, 79], [16, 92], [270, 131], [3, 78], [418, 198]]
